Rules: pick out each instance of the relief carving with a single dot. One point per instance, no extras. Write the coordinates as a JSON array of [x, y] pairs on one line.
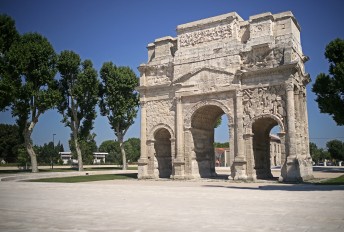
[[263, 57], [203, 36], [159, 74], [264, 100], [161, 111]]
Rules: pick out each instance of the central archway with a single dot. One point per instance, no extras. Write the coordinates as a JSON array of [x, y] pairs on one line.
[[203, 122]]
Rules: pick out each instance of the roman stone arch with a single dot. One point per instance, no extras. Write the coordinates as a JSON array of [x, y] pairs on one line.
[[253, 71], [211, 102]]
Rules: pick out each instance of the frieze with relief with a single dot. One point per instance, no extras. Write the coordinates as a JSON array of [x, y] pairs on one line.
[[207, 35], [263, 57]]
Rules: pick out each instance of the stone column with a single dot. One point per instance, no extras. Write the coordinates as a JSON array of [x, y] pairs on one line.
[[179, 163], [291, 120], [251, 172], [143, 161], [238, 169], [152, 169], [291, 170]]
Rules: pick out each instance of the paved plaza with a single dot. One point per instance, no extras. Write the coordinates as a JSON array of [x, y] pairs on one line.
[[204, 205]]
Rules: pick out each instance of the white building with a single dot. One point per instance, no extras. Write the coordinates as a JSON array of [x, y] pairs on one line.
[[98, 157]]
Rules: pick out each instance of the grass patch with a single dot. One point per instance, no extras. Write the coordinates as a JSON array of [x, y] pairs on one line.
[[77, 179], [334, 181], [18, 171]]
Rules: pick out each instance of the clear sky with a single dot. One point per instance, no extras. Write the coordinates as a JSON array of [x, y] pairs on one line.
[[119, 31]]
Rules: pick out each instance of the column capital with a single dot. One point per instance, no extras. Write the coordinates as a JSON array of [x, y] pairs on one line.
[[289, 86]]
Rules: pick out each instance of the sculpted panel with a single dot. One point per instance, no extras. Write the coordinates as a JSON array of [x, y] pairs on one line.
[[202, 36], [262, 57], [160, 112], [264, 100]]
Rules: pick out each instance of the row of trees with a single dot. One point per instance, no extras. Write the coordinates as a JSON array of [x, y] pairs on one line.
[[29, 87], [12, 149], [334, 151]]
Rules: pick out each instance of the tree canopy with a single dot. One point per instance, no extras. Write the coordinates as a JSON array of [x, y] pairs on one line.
[[79, 87], [329, 89], [118, 100], [27, 85], [10, 141]]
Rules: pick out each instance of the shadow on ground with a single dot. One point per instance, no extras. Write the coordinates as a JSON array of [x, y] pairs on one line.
[[282, 187]]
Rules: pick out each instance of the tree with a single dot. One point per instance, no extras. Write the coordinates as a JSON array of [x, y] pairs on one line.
[[87, 146], [48, 152], [133, 149], [336, 149], [111, 147], [8, 36], [119, 100], [314, 152], [10, 140], [329, 89], [79, 87], [29, 73], [221, 145]]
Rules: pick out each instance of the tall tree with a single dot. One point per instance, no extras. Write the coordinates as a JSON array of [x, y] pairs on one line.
[[10, 140], [336, 149], [79, 88], [8, 36], [119, 100], [111, 147], [132, 148], [33, 89], [329, 89]]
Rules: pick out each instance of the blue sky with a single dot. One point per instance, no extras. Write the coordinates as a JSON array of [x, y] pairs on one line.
[[120, 30]]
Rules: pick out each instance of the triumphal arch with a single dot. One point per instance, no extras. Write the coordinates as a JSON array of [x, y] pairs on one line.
[[252, 71]]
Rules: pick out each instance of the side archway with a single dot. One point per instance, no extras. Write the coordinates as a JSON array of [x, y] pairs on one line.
[[261, 127]]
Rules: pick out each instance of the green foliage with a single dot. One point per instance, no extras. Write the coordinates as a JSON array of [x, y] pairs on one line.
[[8, 36], [218, 122], [48, 152], [336, 149], [133, 149], [79, 87], [23, 156], [329, 89], [10, 141], [88, 145], [119, 100], [88, 178], [318, 154], [221, 145], [111, 147]]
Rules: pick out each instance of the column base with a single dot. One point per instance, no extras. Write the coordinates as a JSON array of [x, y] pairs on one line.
[[238, 169], [178, 170], [296, 170]]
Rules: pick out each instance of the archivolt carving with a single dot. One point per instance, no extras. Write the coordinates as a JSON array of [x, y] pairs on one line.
[[264, 101], [202, 36], [198, 105], [277, 119], [155, 128]]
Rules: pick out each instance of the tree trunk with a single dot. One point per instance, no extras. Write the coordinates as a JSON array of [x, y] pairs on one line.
[[27, 140], [121, 145], [78, 151]]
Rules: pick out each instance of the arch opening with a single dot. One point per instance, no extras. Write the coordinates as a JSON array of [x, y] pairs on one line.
[[163, 157], [266, 148], [203, 122]]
